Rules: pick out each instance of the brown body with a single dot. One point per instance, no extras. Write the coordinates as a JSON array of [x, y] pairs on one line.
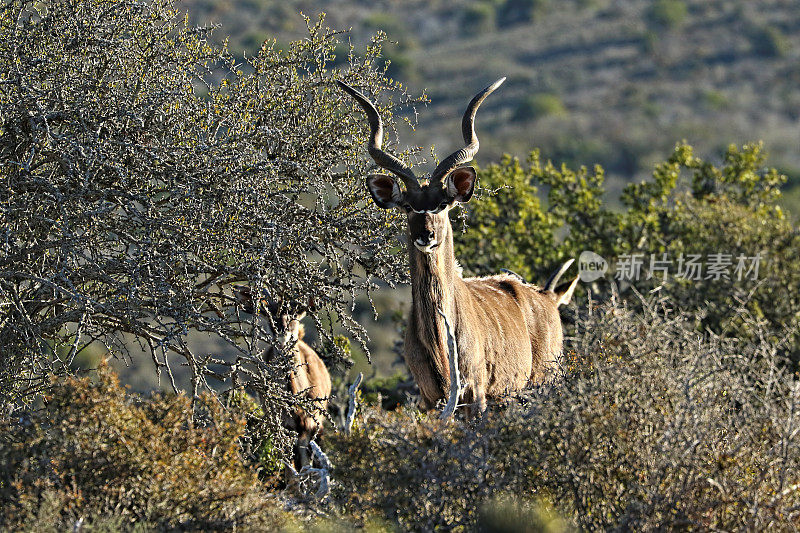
[[508, 333], [308, 377]]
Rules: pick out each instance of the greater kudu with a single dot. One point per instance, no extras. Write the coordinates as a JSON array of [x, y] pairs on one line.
[[308, 376], [508, 333]]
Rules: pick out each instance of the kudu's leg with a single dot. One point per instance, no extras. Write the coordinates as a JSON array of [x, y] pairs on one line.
[[479, 406], [302, 455]]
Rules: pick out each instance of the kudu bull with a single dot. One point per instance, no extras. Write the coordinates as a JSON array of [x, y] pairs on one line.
[[508, 333], [308, 375]]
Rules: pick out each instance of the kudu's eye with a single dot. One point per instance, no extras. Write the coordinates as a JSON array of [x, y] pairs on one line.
[[442, 206], [407, 207]]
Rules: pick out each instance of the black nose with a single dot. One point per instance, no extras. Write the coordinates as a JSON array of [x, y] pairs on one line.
[[426, 235]]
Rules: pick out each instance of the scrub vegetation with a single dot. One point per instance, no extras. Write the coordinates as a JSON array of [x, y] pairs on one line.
[[145, 172]]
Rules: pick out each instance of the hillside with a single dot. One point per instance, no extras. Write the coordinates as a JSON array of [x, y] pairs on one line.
[[610, 82], [614, 82]]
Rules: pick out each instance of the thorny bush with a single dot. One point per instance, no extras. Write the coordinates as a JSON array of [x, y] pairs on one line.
[[651, 426], [94, 456], [143, 171]]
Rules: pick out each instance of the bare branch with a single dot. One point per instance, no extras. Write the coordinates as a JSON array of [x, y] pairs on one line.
[[352, 392], [324, 470], [455, 375]]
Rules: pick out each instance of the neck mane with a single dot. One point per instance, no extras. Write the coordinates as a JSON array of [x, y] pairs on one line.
[[433, 280]]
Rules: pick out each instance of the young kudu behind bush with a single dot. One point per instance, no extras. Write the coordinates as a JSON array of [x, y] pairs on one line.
[[508, 333], [308, 377]]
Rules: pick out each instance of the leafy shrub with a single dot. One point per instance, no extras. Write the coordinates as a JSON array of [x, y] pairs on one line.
[[94, 455], [388, 392], [479, 17], [668, 13], [716, 100], [508, 514], [386, 23], [540, 105], [652, 426], [769, 41], [399, 66], [650, 40], [508, 227], [690, 207]]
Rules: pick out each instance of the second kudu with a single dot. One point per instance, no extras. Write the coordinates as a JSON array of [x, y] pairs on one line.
[[308, 376], [508, 332]]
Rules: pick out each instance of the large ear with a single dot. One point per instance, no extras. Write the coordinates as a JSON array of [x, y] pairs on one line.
[[460, 184], [564, 291], [384, 190], [243, 296]]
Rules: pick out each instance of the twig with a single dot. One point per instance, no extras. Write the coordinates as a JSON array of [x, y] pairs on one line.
[[324, 470], [455, 376], [352, 404]]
